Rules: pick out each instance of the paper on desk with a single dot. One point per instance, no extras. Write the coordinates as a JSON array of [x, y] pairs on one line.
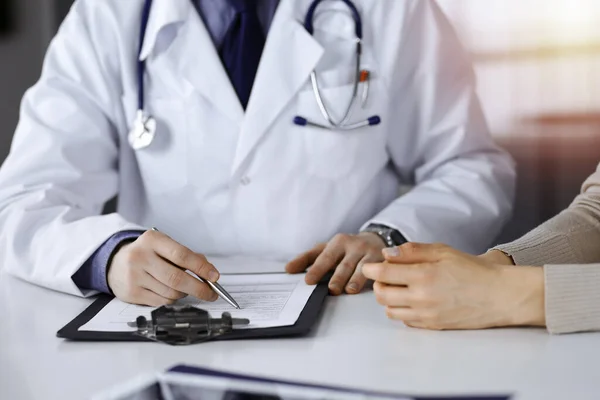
[[245, 265], [267, 300]]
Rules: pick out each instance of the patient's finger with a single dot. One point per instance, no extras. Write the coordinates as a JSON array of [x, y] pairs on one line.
[[149, 298]]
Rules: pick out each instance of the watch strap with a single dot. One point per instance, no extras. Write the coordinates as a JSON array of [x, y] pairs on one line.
[[390, 236]]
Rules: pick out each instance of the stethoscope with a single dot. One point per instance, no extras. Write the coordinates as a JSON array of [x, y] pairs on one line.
[[143, 132], [361, 77], [144, 127]]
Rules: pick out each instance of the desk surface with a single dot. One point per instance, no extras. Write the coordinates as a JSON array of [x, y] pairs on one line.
[[353, 345]]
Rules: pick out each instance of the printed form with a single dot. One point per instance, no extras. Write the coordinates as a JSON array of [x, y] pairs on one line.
[[267, 300]]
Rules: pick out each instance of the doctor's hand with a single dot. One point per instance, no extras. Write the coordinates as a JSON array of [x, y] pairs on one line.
[[151, 271], [345, 254], [439, 288]]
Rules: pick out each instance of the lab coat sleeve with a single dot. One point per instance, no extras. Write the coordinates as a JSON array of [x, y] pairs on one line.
[[92, 275], [62, 167], [462, 183]]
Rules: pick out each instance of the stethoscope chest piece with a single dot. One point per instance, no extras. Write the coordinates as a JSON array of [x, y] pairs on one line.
[[143, 132]]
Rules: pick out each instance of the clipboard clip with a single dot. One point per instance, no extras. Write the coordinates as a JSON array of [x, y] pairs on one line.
[[184, 325]]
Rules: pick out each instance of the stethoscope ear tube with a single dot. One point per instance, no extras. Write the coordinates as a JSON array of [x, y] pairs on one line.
[[373, 121], [362, 77]]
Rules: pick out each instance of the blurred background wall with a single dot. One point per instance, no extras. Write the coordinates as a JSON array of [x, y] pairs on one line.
[[538, 66]]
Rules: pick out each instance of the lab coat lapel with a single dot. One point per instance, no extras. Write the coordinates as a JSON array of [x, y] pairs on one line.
[[162, 14], [192, 54], [290, 55]]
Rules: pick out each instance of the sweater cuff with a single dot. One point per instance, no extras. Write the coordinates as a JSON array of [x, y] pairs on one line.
[[538, 250], [572, 298]]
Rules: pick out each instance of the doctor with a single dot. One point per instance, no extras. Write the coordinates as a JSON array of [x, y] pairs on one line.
[[226, 125]]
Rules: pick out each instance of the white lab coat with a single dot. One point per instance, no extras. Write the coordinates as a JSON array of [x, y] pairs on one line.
[[225, 182]]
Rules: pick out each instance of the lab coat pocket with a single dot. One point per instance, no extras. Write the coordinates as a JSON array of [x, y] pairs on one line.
[[163, 165], [335, 78], [336, 154]]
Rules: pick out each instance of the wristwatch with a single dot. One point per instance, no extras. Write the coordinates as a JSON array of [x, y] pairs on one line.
[[390, 236]]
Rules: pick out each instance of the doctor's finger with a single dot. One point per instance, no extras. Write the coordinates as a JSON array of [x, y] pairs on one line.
[[149, 282], [183, 257], [343, 272], [181, 281], [305, 260], [149, 298], [359, 280], [325, 262]]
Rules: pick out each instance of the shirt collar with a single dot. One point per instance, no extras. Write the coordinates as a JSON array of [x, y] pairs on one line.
[[168, 12]]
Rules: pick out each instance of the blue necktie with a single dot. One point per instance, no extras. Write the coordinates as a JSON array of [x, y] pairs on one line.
[[242, 48]]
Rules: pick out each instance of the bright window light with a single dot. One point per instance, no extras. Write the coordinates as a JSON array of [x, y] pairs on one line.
[[502, 25]]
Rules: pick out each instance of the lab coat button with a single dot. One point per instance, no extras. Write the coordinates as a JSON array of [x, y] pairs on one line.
[[245, 181]]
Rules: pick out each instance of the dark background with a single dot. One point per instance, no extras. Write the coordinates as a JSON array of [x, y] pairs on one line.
[[6, 20]]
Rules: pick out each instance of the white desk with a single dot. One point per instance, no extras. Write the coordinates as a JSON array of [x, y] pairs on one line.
[[354, 345]]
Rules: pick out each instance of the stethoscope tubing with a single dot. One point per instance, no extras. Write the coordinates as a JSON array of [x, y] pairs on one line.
[[141, 64], [310, 18], [144, 119], [343, 124], [372, 121]]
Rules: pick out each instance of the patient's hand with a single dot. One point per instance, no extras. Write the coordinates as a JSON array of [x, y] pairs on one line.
[[437, 287], [497, 257], [345, 254]]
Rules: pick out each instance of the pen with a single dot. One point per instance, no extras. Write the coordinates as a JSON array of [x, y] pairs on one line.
[[217, 288]]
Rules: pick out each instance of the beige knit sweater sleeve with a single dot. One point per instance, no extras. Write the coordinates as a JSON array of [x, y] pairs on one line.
[[568, 246]]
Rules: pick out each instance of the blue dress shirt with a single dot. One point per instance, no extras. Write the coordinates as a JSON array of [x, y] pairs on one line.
[[218, 17]]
